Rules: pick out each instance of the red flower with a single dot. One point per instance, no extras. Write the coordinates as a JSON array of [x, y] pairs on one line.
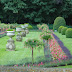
[[17, 64]]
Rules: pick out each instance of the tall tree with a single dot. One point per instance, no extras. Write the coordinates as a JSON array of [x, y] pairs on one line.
[[34, 11]]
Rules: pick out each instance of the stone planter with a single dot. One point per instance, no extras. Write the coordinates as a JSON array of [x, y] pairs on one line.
[[10, 33], [55, 30], [18, 36], [22, 26], [23, 31], [10, 43], [18, 29], [26, 25], [27, 31]]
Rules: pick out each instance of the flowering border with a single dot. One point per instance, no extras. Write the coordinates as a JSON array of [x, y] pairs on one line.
[[56, 50], [62, 46]]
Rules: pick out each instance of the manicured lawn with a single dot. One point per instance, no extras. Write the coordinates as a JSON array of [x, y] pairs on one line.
[[68, 66], [67, 41], [17, 57]]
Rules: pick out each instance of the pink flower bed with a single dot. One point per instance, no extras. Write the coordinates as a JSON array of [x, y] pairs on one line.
[[56, 50], [29, 65]]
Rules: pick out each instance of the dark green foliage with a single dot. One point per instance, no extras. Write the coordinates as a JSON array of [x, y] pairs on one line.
[[59, 21], [32, 43], [69, 26], [50, 26], [34, 11], [45, 36], [59, 29], [68, 33], [63, 30]]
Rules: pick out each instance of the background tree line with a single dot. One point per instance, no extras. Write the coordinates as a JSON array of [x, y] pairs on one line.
[[35, 11]]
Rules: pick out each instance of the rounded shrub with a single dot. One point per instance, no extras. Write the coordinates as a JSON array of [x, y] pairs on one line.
[[30, 27], [59, 21], [68, 33], [63, 30], [59, 29]]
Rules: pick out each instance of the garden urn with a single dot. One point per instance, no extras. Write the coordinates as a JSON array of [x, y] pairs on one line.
[[26, 25], [10, 43], [19, 36], [55, 30], [27, 31], [23, 31]]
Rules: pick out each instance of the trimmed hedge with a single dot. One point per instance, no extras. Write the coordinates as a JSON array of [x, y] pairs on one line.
[[63, 30], [59, 21], [59, 29], [68, 33]]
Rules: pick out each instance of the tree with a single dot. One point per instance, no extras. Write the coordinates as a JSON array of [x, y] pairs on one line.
[[33, 43], [34, 11]]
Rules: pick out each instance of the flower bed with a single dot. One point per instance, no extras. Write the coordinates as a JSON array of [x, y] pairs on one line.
[[2, 34], [56, 50]]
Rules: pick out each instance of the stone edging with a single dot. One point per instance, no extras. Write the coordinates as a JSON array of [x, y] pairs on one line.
[[34, 69]]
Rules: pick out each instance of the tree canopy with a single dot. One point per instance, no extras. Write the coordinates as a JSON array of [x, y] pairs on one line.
[[34, 11]]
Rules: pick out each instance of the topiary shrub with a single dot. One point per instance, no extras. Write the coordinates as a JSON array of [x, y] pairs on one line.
[[63, 30], [59, 21], [68, 33], [59, 29], [30, 27]]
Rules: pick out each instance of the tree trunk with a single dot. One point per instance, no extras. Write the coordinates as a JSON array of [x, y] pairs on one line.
[[32, 56]]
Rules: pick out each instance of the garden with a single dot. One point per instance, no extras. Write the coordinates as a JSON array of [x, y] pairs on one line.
[[21, 45], [35, 34]]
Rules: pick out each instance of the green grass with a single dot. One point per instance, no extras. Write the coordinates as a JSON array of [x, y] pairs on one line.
[[68, 66], [17, 57], [66, 41]]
